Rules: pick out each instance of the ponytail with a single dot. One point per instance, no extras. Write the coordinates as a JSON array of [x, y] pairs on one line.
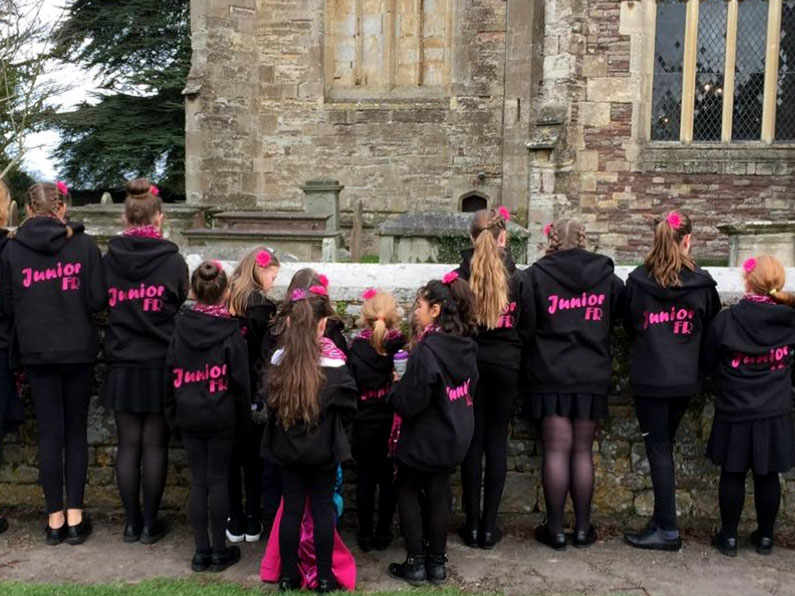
[[457, 316], [666, 259], [379, 312], [45, 198], [489, 278]]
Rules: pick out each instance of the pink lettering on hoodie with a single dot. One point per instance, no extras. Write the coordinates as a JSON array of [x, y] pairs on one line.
[[67, 273], [215, 376]]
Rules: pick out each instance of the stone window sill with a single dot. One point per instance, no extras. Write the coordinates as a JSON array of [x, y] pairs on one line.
[[396, 97], [716, 158]]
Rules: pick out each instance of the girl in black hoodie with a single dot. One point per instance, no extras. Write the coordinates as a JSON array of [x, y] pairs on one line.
[[372, 363], [491, 274], [434, 401], [52, 283], [670, 303], [248, 301], [312, 399], [209, 403], [147, 282], [571, 301], [749, 351]]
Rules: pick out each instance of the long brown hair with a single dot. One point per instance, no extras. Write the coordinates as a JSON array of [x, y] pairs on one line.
[[565, 234], [142, 204], [245, 280], [304, 279], [380, 313], [767, 278], [45, 198], [489, 277], [295, 383], [667, 259]]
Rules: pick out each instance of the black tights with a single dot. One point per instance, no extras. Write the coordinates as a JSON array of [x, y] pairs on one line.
[[376, 470], [318, 486], [767, 497], [61, 395], [246, 468], [568, 468], [208, 458], [436, 488], [659, 419], [143, 453]]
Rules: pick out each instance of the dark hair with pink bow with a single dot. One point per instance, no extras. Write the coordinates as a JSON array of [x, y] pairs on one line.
[[453, 294]]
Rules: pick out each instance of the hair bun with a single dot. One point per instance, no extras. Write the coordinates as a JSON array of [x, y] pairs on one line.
[[208, 271], [138, 187]]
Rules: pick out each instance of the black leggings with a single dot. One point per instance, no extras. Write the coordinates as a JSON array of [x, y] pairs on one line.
[[143, 452], [767, 497], [61, 395], [246, 468], [436, 489], [568, 468], [494, 400], [376, 470], [659, 419], [208, 458], [297, 485]]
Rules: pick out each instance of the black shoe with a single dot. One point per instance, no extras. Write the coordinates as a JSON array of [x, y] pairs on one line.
[[235, 530], [435, 571], [55, 536], [584, 538], [652, 538], [155, 533], [132, 533], [225, 559], [287, 584], [544, 536], [3, 525], [469, 534], [382, 541], [201, 561], [490, 538], [725, 545], [78, 534], [763, 544], [412, 571], [253, 528], [325, 586]]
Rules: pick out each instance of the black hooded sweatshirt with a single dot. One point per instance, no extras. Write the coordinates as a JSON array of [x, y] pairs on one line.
[[749, 349], [373, 375], [209, 391], [434, 399], [256, 326], [571, 300], [325, 444], [51, 285], [667, 326], [501, 346], [6, 322], [147, 282]]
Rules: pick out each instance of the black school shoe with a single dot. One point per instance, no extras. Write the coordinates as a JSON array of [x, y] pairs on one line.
[[155, 533], [289, 584], [3, 525], [201, 561], [489, 538], [470, 535], [326, 586], [763, 544], [78, 534], [412, 571], [225, 559], [435, 570], [132, 533], [584, 538], [55, 536], [653, 538], [545, 536], [726, 546]]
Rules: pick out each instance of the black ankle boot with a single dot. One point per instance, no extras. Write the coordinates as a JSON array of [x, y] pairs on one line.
[[763, 544], [726, 545], [435, 570], [412, 571]]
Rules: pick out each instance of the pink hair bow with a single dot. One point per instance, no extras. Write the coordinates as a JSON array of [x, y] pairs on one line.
[[264, 259], [62, 188], [749, 265], [323, 280], [298, 295], [219, 265], [504, 213], [369, 294], [449, 278], [547, 230], [319, 290], [154, 191], [674, 220]]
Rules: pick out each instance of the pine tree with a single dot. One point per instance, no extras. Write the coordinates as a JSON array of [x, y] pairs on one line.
[[140, 51]]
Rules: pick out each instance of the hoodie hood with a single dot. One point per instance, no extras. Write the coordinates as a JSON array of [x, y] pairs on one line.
[[466, 262], [691, 280], [45, 235], [576, 269], [760, 324], [451, 351], [137, 257], [201, 331]]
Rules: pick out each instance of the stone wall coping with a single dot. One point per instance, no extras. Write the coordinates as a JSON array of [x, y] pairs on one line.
[[436, 224], [758, 227], [113, 208]]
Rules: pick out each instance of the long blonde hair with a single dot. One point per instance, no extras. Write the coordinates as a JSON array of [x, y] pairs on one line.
[[5, 204], [767, 278], [667, 259], [245, 280], [489, 278], [380, 313]]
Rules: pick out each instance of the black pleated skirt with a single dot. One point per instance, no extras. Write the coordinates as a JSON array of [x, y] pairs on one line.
[[134, 390], [583, 406], [763, 446]]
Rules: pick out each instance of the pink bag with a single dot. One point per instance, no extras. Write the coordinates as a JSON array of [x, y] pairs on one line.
[[343, 565]]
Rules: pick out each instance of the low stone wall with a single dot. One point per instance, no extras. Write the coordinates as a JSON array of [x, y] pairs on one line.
[[623, 486]]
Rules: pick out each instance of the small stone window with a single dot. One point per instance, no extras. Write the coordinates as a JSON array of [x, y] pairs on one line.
[[472, 202], [724, 71]]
